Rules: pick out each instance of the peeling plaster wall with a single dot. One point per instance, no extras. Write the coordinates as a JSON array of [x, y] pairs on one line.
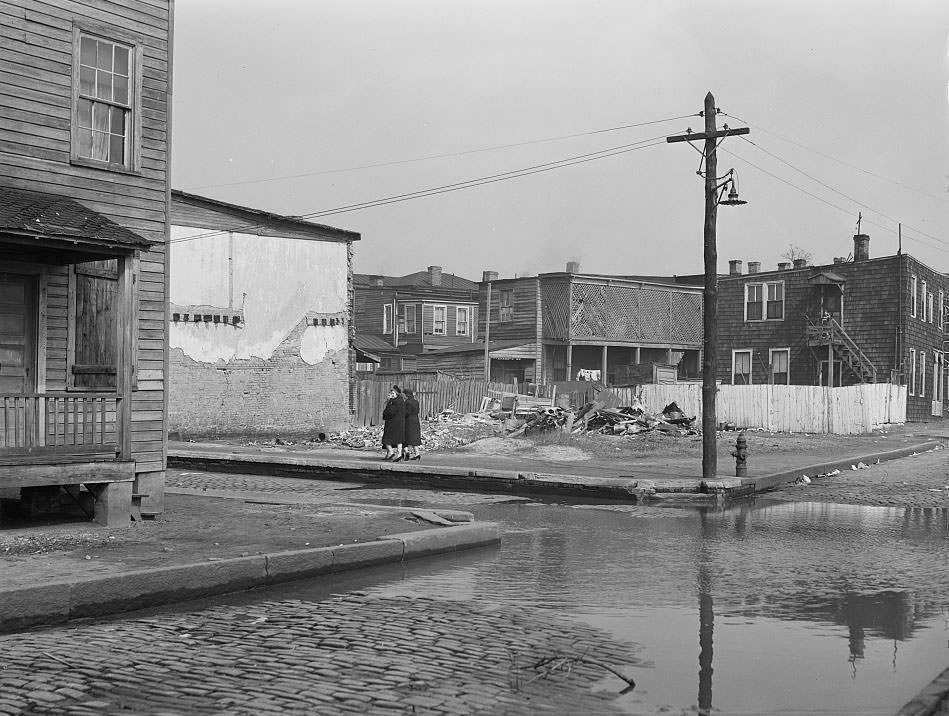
[[274, 373]]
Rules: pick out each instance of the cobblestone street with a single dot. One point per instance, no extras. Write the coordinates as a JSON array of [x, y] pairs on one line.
[[357, 654]]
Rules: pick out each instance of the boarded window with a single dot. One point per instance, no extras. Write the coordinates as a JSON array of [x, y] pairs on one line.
[[507, 305], [94, 350]]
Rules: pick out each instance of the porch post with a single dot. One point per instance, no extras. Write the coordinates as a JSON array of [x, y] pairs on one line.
[[123, 357], [569, 361], [603, 366]]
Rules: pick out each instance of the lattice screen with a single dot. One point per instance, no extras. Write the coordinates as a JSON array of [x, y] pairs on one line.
[[555, 299], [636, 314]]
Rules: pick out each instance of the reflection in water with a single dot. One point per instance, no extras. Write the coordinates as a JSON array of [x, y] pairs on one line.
[[706, 621]]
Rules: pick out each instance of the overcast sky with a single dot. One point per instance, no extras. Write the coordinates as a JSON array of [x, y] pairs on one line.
[[304, 106]]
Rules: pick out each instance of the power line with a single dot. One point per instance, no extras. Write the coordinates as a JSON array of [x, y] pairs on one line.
[[457, 186], [840, 161], [441, 156]]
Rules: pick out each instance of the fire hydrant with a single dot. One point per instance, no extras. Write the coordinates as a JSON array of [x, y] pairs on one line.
[[741, 456]]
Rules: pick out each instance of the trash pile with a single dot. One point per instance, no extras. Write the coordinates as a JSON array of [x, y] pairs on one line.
[[595, 418]]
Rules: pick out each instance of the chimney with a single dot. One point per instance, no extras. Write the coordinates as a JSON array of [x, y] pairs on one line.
[[573, 267], [861, 247], [784, 265], [435, 275], [489, 276], [734, 267], [840, 260], [800, 263], [754, 266], [376, 281]]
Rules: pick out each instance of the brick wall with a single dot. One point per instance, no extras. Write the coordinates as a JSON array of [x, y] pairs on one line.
[[280, 396]]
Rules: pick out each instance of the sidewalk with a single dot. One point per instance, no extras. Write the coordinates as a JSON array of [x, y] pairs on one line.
[[673, 477]]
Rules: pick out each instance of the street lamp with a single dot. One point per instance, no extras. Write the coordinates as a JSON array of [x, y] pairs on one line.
[[713, 197]]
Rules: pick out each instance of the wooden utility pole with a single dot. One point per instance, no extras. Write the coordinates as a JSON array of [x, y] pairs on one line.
[[487, 336], [711, 135]]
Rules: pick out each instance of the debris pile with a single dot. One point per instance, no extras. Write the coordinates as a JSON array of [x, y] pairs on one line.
[[595, 418]]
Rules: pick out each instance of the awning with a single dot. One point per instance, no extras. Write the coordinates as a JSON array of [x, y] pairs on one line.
[[50, 221], [825, 278]]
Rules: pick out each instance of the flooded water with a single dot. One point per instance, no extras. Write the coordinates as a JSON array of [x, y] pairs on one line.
[[779, 608]]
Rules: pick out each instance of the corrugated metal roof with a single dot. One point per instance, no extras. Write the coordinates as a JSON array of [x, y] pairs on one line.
[[53, 216]]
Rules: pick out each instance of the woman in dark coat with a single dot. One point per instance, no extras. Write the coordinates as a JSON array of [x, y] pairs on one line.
[[393, 415], [413, 426]]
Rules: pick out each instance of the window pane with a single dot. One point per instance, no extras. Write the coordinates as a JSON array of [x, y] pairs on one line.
[[104, 55], [85, 113], [121, 60], [118, 121], [87, 51], [100, 117], [100, 146], [775, 291], [116, 149], [85, 142], [120, 89], [87, 80], [754, 311], [103, 85], [775, 309]]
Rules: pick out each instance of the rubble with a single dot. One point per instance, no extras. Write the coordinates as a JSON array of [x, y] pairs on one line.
[[597, 418]]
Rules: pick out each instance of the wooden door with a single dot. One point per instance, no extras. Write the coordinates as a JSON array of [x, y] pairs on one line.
[[17, 334]]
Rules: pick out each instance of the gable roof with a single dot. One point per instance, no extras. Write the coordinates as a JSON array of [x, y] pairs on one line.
[[37, 214]]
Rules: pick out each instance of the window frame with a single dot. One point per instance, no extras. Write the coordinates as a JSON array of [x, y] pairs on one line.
[[407, 310], [760, 302], [929, 303], [506, 305], [444, 320], [387, 319], [751, 359], [466, 323], [922, 374], [133, 109], [765, 303], [942, 308], [768, 302], [922, 299], [912, 371], [771, 353], [913, 289]]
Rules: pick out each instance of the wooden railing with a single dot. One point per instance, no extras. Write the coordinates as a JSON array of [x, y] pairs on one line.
[[61, 419], [831, 332]]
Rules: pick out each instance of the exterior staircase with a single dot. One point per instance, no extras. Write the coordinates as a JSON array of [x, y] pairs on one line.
[[828, 332]]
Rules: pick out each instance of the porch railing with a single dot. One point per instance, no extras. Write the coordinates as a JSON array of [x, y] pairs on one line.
[[58, 420]]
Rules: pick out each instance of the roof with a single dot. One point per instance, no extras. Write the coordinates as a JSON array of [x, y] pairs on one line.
[[478, 347], [419, 279], [39, 214], [254, 218], [373, 344], [827, 277]]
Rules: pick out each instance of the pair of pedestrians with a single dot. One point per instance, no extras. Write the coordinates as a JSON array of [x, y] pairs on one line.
[[402, 433]]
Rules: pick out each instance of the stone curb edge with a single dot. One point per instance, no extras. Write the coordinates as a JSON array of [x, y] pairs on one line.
[[933, 697], [58, 602]]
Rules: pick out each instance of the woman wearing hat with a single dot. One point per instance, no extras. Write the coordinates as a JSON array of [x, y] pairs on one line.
[[393, 416]]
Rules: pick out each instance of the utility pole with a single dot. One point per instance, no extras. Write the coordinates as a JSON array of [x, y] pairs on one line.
[[713, 197]]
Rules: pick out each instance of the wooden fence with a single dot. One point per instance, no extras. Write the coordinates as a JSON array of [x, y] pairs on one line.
[[783, 408], [434, 396]]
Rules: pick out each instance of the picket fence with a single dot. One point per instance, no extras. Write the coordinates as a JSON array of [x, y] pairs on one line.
[[779, 408]]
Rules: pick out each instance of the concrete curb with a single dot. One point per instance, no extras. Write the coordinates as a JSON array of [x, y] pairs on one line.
[[933, 700], [57, 602], [770, 482]]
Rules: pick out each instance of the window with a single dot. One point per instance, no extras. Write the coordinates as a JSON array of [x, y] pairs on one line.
[[741, 367], [407, 318], [756, 296], [438, 320], [912, 371], [753, 302], [104, 73], [507, 305], [929, 304], [387, 319], [462, 321], [922, 374], [780, 360], [922, 301], [912, 290], [776, 301], [942, 309]]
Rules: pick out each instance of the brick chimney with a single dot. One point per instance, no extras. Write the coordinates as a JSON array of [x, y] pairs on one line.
[[754, 266], [376, 281], [573, 267], [489, 276], [734, 267], [784, 265], [800, 263], [435, 275], [861, 247]]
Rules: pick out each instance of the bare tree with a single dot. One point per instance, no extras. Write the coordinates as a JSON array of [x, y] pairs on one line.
[[796, 252]]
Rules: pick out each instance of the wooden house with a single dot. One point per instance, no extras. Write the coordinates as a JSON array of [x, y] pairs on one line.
[[849, 322], [261, 323], [83, 229], [568, 324], [420, 312]]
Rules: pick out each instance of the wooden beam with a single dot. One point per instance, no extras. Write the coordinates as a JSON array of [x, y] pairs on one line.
[[65, 473], [123, 355], [710, 134]]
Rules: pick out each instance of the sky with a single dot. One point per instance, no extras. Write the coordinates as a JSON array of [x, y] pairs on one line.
[[306, 107]]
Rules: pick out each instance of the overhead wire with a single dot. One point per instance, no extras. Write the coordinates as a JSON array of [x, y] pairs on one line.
[[457, 186], [444, 156]]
